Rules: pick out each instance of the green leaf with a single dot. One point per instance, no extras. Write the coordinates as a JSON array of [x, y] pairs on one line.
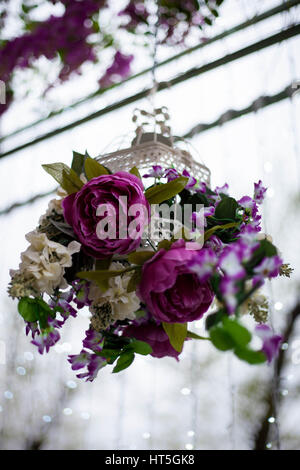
[[221, 339], [227, 208], [28, 309], [103, 263], [177, 334], [162, 192], [250, 356], [190, 334], [33, 310], [93, 168], [102, 274], [78, 163], [140, 257], [65, 176], [140, 347], [110, 354], [134, 281], [268, 248], [212, 230], [134, 171], [124, 361], [238, 333], [164, 245]]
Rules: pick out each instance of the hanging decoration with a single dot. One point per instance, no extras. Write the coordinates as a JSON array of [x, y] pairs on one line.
[[148, 256]]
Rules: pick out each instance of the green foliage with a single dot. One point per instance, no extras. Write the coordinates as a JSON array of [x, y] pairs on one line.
[[229, 334], [140, 257], [212, 230], [102, 274], [93, 168], [177, 333], [134, 171], [78, 163], [124, 361], [250, 356], [221, 339], [163, 192], [65, 176], [190, 334], [265, 249], [134, 280], [227, 208], [35, 310], [123, 350]]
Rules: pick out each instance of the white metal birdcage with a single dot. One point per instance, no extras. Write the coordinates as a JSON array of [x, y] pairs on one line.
[[157, 147]]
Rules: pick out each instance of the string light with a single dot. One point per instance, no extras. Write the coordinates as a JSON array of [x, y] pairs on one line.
[[84, 415], [271, 420], [28, 356], [189, 446], [47, 419], [67, 411], [21, 371], [185, 391], [278, 306], [8, 395], [71, 384], [146, 435]]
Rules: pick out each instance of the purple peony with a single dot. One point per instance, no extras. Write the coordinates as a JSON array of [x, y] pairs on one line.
[[118, 226], [155, 336], [170, 290]]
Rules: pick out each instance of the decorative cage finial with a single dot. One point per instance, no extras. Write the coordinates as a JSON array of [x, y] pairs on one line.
[[154, 145]]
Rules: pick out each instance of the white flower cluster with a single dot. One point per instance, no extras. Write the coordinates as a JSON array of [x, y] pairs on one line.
[[123, 304], [44, 263]]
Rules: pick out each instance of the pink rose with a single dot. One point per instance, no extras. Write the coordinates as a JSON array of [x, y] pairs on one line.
[[108, 198], [170, 290]]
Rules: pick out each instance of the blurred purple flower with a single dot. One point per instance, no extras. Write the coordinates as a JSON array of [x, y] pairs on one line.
[[271, 342], [259, 192], [119, 69]]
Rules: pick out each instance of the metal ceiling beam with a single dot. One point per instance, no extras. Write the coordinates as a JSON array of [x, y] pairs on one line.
[[194, 72], [284, 6], [228, 116]]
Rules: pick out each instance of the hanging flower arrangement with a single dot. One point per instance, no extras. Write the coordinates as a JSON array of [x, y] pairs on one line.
[[146, 277]]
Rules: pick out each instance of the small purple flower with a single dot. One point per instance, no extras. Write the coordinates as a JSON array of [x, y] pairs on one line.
[[229, 290], [268, 268], [222, 189], [271, 342], [33, 328], [80, 290], [156, 172], [231, 261], [95, 364], [78, 361], [259, 192], [201, 187], [191, 182], [46, 340], [199, 218], [93, 340], [248, 203], [171, 174], [203, 263], [120, 68], [215, 244]]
